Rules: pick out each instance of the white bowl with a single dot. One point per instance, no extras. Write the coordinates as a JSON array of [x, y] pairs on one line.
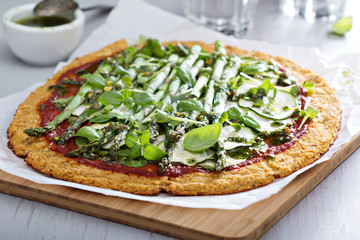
[[41, 45]]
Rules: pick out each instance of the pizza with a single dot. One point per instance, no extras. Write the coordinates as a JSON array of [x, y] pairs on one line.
[[186, 118]]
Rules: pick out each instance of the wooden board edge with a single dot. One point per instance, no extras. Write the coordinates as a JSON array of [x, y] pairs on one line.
[[324, 168], [36, 192]]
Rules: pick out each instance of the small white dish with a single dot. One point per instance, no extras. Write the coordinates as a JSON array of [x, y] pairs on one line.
[[41, 45]]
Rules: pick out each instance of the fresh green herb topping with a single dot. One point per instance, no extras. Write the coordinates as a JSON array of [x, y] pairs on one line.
[[176, 104]]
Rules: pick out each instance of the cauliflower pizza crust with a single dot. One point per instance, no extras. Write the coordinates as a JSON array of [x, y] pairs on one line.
[[320, 135]]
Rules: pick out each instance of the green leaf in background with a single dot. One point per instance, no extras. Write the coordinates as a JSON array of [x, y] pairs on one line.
[[200, 139], [342, 26], [89, 133], [111, 98], [190, 105]]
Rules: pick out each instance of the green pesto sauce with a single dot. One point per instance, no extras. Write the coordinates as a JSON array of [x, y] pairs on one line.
[[37, 21]]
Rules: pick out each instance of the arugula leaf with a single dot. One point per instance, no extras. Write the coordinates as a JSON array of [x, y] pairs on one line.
[[309, 112], [190, 105], [89, 133], [200, 139]]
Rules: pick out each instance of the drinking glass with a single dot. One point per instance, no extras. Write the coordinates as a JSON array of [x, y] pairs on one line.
[[231, 17]]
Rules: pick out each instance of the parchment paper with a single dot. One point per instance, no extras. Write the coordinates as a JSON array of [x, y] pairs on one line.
[[132, 18]]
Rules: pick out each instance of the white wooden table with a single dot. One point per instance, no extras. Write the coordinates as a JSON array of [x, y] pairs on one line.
[[330, 211]]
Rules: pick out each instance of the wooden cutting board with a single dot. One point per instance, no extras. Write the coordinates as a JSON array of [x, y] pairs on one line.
[[179, 222]]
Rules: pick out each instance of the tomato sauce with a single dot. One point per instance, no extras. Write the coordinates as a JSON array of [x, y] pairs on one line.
[[48, 111]]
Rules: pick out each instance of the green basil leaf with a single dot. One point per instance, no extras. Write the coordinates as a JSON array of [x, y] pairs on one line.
[[158, 50], [81, 141], [128, 102], [190, 105], [111, 98], [253, 68], [151, 152], [104, 118], [126, 81], [202, 138], [135, 151], [89, 132], [161, 116], [237, 126], [95, 80], [121, 71], [134, 162], [124, 152], [126, 94], [143, 99], [145, 138], [223, 118], [131, 139], [250, 122], [234, 113], [185, 76]]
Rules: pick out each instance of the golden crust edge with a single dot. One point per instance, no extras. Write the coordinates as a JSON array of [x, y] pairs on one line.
[[226, 182]]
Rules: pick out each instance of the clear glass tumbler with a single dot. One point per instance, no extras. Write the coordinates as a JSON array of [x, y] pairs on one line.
[[313, 9], [231, 17]]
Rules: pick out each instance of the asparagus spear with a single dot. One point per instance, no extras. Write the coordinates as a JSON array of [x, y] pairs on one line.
[[109, 133], [75, 125], [229, 72], [117, 144], [216, 75], [75, 102]]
